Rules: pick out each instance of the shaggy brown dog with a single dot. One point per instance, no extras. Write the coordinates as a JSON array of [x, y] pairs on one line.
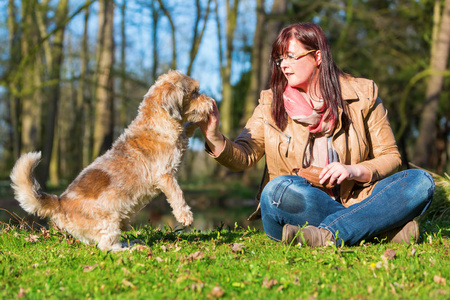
[[143, 161]]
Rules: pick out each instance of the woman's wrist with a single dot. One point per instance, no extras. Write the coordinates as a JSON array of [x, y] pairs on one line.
[[361, 173], [216, 143]]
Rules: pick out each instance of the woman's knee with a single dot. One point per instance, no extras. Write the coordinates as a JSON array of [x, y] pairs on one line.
[[424, 185], [284, 192], [417, 187], [422, 182]]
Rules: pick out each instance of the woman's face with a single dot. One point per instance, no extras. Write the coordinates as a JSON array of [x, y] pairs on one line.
[[299, 72]]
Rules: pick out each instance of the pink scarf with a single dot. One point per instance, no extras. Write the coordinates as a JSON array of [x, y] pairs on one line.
[[300, 110]]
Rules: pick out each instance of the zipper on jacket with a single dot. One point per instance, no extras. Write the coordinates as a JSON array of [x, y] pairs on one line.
[[288, 138]]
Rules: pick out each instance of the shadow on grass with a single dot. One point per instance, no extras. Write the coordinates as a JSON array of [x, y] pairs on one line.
[[151, 236]]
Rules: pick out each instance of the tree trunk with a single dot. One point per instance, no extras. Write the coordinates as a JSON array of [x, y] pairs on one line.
[[155, 19], [198, 34], [425, 151], [14, 100], [173, 64], [54, 62], [273, 26], [83, 121], [123, 45], [226, 105], [104, 122], [29, 81], [255, 80]]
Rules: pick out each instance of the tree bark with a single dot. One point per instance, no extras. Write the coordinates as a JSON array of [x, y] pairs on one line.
[[173, 64], [104, 122], [273, 26], [198, 33], [255, 80], [425, 150], [155, 19], [54, 58], [29, 81], [226, 105], [84, 126], [14, 100], [123, 45]]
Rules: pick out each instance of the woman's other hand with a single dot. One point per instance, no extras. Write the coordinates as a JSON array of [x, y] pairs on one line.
[[337, 172]]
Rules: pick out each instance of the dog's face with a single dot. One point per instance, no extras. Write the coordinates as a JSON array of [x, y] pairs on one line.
[[179, 96]]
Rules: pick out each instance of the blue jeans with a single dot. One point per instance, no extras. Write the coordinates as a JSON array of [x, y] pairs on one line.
[[394, 201]]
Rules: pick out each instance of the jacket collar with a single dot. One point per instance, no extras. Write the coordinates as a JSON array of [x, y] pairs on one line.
[[347, 90]]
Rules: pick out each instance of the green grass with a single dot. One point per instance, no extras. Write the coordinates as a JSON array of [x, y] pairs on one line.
[[229, 263], [240, 263]]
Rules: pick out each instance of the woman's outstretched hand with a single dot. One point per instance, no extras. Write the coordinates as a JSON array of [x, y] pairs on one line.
[[336, 173], [210, 130]]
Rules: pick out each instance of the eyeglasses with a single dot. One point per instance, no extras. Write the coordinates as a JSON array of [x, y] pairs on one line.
[[290, 57]]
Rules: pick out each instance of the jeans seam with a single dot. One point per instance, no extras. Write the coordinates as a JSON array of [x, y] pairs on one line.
[[367, 203], [281, 194]]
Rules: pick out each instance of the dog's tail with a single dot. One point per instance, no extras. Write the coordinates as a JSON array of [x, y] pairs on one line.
[[27, 189]]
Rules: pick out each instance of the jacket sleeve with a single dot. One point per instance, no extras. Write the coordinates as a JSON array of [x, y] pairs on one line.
[[384, 157], [248, 148]]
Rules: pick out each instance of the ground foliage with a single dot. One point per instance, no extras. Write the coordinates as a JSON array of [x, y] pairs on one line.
[[229, 263], [37, 263]]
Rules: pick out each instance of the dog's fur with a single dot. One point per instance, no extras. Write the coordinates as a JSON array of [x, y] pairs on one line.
[[143, 161]]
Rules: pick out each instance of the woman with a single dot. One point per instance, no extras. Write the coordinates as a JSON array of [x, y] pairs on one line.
[[316, 115]]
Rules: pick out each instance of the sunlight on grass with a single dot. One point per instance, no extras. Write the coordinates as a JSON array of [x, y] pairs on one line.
[[228, 263]]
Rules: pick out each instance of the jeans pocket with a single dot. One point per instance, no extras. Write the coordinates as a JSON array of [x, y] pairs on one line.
[[279, 191]]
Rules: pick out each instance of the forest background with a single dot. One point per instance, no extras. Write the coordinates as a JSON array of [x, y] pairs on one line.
[[72, 73]]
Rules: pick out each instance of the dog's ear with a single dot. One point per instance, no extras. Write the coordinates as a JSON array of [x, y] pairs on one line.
[[172, 100]]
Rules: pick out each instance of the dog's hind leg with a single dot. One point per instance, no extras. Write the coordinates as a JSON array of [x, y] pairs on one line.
[[110, 238], [182, 212]]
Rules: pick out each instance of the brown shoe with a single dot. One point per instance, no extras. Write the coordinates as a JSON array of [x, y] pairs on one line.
[[309, 235], [403, 234]]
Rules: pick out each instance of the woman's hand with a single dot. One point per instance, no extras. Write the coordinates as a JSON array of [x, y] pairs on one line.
[[210, 131], [336, 173]]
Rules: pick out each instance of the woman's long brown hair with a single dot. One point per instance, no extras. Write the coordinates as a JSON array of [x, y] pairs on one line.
[[312, 37]]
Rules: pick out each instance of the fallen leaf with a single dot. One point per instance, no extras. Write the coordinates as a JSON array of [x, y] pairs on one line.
[[196, 255], [45, 233], [439, 280], [237, 247], [88, 268], [21, 293], [140, 248], [32, 238], [268, 284], [193, 256], [217, 292], [127, 283], [389, 254]]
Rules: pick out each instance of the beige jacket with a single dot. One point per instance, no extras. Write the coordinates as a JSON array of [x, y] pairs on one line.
[[369, 141]]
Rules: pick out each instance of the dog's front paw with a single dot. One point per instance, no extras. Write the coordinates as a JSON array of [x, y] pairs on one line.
[[184, 216]]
